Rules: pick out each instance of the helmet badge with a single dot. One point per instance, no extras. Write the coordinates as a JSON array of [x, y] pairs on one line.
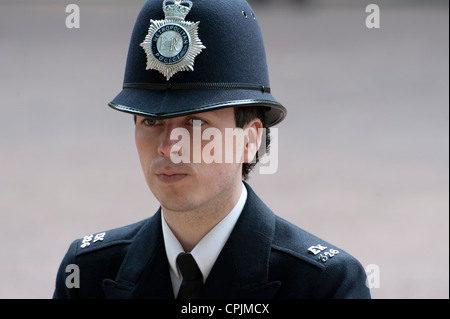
[[172, 44]]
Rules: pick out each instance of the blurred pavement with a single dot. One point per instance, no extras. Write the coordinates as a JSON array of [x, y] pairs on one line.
[[363, 153]]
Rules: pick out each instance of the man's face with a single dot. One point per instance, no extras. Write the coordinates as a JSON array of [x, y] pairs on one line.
[[190, 163]]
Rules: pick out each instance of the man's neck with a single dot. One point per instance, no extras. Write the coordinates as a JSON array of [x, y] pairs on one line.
[[189, 227]]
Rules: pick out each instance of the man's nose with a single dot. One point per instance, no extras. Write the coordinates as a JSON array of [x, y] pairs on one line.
[[170, 141]]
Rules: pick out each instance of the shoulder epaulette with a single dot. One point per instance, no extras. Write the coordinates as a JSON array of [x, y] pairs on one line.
[[305, 246], [117, 236]]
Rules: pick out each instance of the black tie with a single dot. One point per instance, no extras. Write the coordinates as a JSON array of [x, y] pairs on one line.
[[192, 277]]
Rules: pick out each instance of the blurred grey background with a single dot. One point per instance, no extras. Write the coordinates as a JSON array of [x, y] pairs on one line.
[[363, 154]]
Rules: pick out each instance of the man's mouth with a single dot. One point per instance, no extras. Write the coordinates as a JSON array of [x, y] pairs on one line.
[[171, 177]]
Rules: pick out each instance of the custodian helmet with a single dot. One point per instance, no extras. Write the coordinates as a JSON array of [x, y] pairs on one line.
[[187, 57]]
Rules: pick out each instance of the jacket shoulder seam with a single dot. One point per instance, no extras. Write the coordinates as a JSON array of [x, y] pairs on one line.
[[297, 255], [114, 237], [81, 251]]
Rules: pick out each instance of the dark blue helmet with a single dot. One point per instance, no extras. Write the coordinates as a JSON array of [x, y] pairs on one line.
[[187, 57]]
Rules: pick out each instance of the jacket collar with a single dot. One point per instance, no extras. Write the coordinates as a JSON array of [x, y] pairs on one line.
[[145, 266], [241, 270]]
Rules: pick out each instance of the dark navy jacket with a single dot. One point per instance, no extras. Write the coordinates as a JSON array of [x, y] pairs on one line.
[[265, 257]]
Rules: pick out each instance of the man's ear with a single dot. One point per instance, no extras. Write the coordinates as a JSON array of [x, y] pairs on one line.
[[253, 134]]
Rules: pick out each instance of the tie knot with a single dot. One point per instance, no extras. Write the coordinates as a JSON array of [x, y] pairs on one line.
[[188, 267]]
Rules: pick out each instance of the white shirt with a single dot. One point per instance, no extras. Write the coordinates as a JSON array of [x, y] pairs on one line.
[[209, 247]]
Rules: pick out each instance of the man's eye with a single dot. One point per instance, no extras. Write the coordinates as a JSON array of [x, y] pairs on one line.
[[196, 122], [150, 122]]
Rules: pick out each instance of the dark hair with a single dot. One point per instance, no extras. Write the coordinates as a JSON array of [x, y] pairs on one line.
[[244, 115]]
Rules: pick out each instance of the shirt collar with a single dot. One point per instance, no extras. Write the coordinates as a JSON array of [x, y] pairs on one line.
[[208, 249]]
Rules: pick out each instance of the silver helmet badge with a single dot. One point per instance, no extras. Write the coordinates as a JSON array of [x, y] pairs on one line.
[[172, 44]]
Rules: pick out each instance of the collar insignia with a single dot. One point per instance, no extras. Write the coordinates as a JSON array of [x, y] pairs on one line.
[[172, 44]]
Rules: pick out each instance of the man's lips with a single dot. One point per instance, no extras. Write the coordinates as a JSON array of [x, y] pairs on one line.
[[171, 177]]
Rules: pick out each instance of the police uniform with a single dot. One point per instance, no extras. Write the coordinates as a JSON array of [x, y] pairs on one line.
[[265, 257], [187, 57]]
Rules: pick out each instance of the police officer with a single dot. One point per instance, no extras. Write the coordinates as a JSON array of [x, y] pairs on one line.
[[197, 68]]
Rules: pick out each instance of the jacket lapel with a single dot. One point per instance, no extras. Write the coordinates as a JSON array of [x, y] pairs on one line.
[[242, 268], [144, 272]]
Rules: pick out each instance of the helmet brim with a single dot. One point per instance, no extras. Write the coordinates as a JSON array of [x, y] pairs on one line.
[[165, 104]]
